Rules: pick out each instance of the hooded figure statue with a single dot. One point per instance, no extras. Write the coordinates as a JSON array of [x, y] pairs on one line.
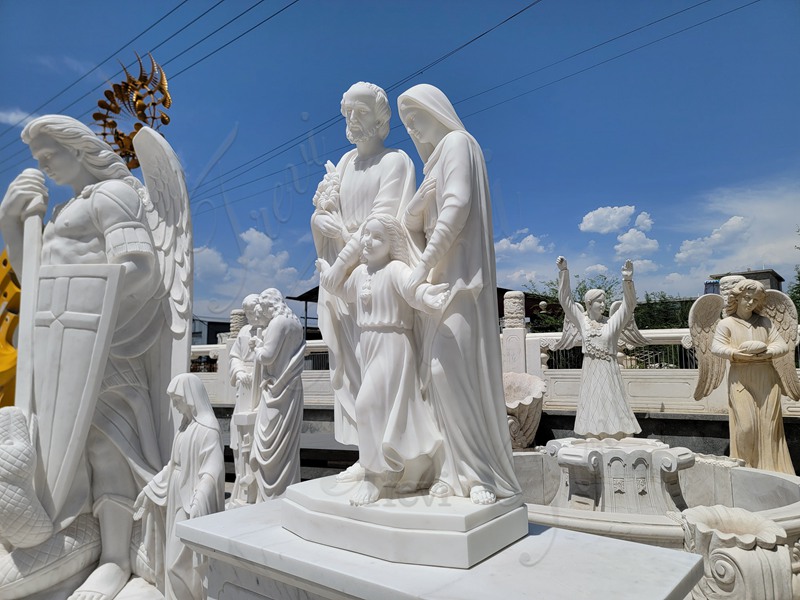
[[450, 219]]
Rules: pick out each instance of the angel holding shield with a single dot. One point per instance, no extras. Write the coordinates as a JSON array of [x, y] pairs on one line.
[[757, 335], [603, 410], [105, 326]]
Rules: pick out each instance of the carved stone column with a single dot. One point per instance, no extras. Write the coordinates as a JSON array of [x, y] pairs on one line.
[[514, 357], [238, 320]]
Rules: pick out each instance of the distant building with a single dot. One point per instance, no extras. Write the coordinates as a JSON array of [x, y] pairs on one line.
[[205, 331], [768, 278]]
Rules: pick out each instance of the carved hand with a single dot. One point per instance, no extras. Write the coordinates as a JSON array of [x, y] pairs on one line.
[[561, 263], [328, 224], [418, 276], [426, 193], [333, 276], [627, 270], [26, 195], [436, 296]]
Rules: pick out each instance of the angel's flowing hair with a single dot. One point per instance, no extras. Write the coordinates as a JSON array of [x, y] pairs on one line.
[[95, 155], [746, 285]]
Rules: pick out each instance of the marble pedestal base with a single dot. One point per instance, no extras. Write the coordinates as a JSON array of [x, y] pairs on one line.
[[251, 557], [632, 475], [416, 529]]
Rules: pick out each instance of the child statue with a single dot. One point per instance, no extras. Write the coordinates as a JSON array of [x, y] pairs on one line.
[[397, 434]]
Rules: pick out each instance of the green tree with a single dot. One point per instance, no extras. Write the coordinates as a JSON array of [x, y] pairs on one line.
[[662, 311], [794, 288], [553, 318]]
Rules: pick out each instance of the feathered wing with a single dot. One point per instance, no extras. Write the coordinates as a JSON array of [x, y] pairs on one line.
[[782, 312], [167, 211], [570, 332], [703, 318], [630, 337]]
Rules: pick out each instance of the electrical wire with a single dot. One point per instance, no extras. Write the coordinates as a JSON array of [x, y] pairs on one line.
[[332, 120], [94, 68], [467, 116], [172, 77]]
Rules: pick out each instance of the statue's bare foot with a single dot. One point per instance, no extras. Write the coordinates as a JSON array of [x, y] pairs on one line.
[[367, 493], [441, 490], [104, 583], [480, 494], [354, 472]]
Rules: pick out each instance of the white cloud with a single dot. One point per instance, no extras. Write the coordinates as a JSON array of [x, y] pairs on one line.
[[258, 267], [78, 67], [515, 279], [701, 249], [644, 266], [596, 269], [208, 264], [518, 243], [607, 219], [15, 116], [644, 222], [634, 243]]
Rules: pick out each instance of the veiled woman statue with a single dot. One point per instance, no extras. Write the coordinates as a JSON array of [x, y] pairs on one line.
[[450, 218], [192, 484]]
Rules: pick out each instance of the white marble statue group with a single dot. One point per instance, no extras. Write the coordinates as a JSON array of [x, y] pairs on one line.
[[408, 304], [112, 444], [94, 474], [266, 362]]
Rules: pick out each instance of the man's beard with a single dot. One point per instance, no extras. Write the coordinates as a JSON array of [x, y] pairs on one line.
[[361, 136]]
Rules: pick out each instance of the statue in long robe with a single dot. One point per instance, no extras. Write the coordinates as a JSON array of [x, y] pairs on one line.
[[279, 357], [451, 219], [192, 484], [367, 180]]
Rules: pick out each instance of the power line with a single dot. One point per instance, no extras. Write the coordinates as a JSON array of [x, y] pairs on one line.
[[94, 68], [238, 37], [459, 48], [217, 30], [174, 57], [608, 60], [584, 51], [332, 120], [488, 107], [98, 86]]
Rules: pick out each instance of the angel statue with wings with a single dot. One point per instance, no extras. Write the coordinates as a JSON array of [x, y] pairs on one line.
[[603, 410], [105, 326], [757, 336]]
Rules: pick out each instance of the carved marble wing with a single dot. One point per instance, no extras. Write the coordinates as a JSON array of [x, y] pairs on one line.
[[169, 219], [570, 332], [782, 312], [703, 318], [630, 337]]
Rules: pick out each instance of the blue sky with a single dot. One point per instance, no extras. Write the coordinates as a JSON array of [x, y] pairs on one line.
[[681, 154]]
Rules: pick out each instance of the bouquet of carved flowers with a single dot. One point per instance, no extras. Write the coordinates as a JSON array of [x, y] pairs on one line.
[[326, 197]]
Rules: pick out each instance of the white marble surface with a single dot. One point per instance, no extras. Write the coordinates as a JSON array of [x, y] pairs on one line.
[[416, 529], [550, 563]]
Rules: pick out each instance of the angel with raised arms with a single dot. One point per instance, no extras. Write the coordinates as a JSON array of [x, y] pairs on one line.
[[757, 336], [603, 410], [105, 333]]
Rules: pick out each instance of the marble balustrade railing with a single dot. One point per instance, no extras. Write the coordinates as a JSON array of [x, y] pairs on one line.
[[650, 390]]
